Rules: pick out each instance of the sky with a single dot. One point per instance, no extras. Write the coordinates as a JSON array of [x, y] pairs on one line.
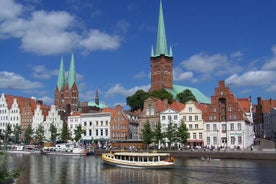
[[211, 40]]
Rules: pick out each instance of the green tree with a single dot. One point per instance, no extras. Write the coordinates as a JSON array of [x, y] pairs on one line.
[[185, 96], [158, 135], [39, 133], [65, 134], [53, 131], [147, 134], [182, 133], [8, 132], [136, 101], [28, 134], [78, 131], [17, 132], [7, 175], [162, 94], [171, 134]]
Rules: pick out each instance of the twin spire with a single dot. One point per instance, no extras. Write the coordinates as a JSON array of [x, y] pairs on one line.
[[71, 79], [161, 43]]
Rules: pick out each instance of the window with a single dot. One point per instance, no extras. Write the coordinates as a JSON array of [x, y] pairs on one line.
[[215, 127], [90, 132], [101, 132], [97, 132], [163, 117], [196, 117], [196, 126], [190, 118], [152, 111], [208, 140], [200, 135], [190, 109], [208, 127], [184, 118], [232, 140], [106, 132], [190, 126], [169, 117], [239, 126], [223, 127], [214, 109], [232, 126], [194, 135], [239, 140], [230, 109], [215, 140], [175, 117]]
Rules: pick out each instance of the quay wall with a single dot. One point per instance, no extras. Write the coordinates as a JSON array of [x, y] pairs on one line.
[[257, 155]]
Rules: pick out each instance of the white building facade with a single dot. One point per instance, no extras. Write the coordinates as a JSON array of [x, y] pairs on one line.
[[192, 117], [96, 127]]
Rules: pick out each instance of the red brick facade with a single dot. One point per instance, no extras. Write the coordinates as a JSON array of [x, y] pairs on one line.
[[224, 106], [66, 97], [161, 72]]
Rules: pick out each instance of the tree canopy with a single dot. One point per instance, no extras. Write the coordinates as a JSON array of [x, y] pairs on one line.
[[147, 133], [136, 101], [39, 133], [65, 134], [162, 94], [182, 133], [185, 96], [53, 131], [78, 131], [28, 134]]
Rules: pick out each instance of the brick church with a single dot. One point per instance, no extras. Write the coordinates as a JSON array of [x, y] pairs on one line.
[[66, 92]]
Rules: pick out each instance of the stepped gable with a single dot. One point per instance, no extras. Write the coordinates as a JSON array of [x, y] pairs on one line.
[[21, 101], [267, 105]]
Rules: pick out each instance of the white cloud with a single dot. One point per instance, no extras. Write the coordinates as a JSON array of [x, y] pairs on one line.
[[236, 54], [179, 75], [271, 64], [48, 33], [41, 72], [204, 63], [140, 75], [9, 80], [118, 89], [252, 78], [97, 40]]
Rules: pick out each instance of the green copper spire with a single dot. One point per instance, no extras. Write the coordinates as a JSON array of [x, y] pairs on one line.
[[161, 44], [72, 73], [61, 75]]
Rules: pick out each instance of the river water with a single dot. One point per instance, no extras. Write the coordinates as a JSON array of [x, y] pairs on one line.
[[45, 169]]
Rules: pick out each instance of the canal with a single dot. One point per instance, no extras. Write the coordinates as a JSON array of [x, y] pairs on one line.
[[45, 169]]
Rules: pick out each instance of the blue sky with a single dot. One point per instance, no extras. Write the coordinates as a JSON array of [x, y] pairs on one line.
[[213, 40]]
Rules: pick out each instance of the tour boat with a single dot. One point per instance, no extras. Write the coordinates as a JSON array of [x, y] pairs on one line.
[[24, 150], [77, 151], [139, 160]]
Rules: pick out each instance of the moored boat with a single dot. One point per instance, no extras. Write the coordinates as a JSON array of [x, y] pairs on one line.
[[24, 149], [139, 160], [77, 151]]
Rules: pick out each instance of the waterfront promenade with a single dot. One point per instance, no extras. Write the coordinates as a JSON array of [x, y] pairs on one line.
[[222, 154]]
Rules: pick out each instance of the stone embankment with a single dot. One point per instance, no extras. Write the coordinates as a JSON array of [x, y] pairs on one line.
[[257, 155]]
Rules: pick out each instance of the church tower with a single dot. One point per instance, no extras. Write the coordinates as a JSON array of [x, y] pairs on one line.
[[161, 61], [66, 93]]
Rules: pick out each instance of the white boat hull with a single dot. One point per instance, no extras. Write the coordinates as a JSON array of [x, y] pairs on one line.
[[107, 159]]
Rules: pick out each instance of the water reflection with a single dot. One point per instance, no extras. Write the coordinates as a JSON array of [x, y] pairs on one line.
[[82, 170]]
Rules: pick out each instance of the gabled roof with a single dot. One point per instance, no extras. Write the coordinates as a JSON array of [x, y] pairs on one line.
[[21, 101], [177, 106], [245, 104], [201, 98], [112, 111]]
